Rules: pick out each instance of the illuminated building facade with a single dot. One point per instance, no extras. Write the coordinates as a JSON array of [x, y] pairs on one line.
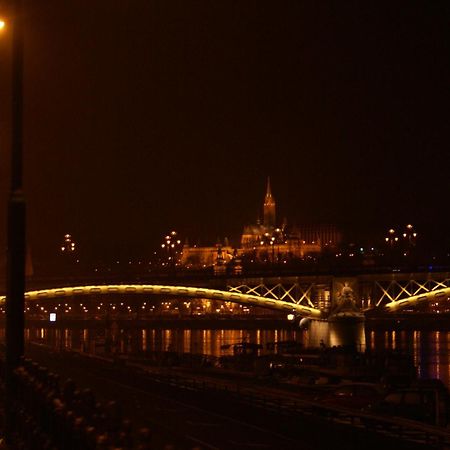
[[205, 256], [266, 242]]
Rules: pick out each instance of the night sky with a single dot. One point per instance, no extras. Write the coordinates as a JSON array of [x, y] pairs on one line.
[[143, 116]]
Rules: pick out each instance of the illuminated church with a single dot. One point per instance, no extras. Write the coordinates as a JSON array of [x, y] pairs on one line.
[[254, 234], [266, 241]]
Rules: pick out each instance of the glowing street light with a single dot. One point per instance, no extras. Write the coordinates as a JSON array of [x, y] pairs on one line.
[[391, 239], [2, 24], [410, 235], [68, 245], [172, 246]]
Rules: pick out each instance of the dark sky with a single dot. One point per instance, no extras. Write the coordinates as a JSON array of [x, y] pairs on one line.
[[146, 115]]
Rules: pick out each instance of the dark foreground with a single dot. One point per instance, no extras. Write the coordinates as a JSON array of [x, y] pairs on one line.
[[187, 411]]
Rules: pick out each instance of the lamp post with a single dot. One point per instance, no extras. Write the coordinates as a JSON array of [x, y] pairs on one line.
[[266, 242], [410, 235], [172, 245], [391, 238], [279, 238], [16, 224]]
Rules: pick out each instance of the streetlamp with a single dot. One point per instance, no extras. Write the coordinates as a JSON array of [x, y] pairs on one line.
[[172, 247], [16, 223], [410, 235], [270, 240], [279, 239], [391, 238], [266, 242]]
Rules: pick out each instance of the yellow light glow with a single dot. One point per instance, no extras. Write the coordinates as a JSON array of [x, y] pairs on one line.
[[2, 24], [177, 291]]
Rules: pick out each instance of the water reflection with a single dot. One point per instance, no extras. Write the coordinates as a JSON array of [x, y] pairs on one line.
[[429, 349], [206, 341]]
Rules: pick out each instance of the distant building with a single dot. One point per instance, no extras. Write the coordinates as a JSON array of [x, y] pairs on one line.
[[197, 257], [267, 241], [324, 234], [262, 242]]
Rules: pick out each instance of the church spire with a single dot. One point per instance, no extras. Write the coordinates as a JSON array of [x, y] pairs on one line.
[[268, 190], [269, 207]]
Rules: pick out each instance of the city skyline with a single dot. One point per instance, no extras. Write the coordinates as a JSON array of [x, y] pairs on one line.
[[314, 135], [146, 119]]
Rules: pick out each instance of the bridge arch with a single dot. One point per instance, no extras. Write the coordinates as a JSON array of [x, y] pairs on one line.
[[214, 294], [436, 295], [175, 291]]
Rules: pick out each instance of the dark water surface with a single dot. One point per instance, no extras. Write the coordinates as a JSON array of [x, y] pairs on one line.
[[429, 349]]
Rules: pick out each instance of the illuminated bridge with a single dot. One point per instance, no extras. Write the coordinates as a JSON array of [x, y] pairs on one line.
[[175, 291], [307, 296]]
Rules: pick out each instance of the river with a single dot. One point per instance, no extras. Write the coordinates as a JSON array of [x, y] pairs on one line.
[[429, 348]]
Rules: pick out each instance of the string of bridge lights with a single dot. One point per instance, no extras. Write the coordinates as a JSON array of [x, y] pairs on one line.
[[178, 291]]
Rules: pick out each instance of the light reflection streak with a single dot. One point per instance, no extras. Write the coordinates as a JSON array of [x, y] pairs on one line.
[[416, 352], [144, 340], [438, 354], [187, 341], [429, 350]]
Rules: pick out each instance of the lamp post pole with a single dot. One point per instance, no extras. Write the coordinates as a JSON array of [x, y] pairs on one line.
[[16, 225]]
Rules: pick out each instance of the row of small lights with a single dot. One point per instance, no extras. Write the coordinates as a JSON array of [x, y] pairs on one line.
[[165, 305], [284, 261]]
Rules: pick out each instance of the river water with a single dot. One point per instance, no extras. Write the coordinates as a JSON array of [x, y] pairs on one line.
[[429, 349]]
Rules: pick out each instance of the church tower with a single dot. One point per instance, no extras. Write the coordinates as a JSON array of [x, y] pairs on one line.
[[269, 207]]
